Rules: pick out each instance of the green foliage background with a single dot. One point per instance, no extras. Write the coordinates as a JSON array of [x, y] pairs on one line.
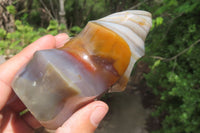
[[172, 50], [13, 42]]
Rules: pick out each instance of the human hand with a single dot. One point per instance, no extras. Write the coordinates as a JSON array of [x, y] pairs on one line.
[[85, 120]]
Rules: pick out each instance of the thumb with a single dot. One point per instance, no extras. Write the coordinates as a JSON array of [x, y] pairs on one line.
[[86, 119]]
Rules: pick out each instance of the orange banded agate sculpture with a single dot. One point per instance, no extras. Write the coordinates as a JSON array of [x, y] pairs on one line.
[[57, 82]]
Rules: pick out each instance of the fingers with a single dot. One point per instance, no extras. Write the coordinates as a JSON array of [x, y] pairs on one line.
[[16, 104], [9, 69], [61, 39], [31, 121], [86, 119], [12, 123], [5, 92]]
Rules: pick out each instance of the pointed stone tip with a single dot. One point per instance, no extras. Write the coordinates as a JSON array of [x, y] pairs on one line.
[[132, 25], [128, 17], [140, 12]]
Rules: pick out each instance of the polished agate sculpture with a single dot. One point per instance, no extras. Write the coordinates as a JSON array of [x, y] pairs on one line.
[[57, 82]]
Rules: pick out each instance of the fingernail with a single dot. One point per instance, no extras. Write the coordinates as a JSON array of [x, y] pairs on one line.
[[61, 39], [97, 115], [61, 36]]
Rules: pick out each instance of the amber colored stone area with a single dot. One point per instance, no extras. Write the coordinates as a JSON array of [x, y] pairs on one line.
[[96, 40]]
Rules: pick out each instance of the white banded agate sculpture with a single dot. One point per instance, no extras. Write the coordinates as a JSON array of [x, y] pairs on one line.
[[57, 82]]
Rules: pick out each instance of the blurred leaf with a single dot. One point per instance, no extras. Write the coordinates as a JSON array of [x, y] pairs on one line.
[[11, 9], [2, 33], [156, 63], [13, 45]]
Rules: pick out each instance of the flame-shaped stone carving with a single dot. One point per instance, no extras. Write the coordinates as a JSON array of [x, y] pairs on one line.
[[56, 82]]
